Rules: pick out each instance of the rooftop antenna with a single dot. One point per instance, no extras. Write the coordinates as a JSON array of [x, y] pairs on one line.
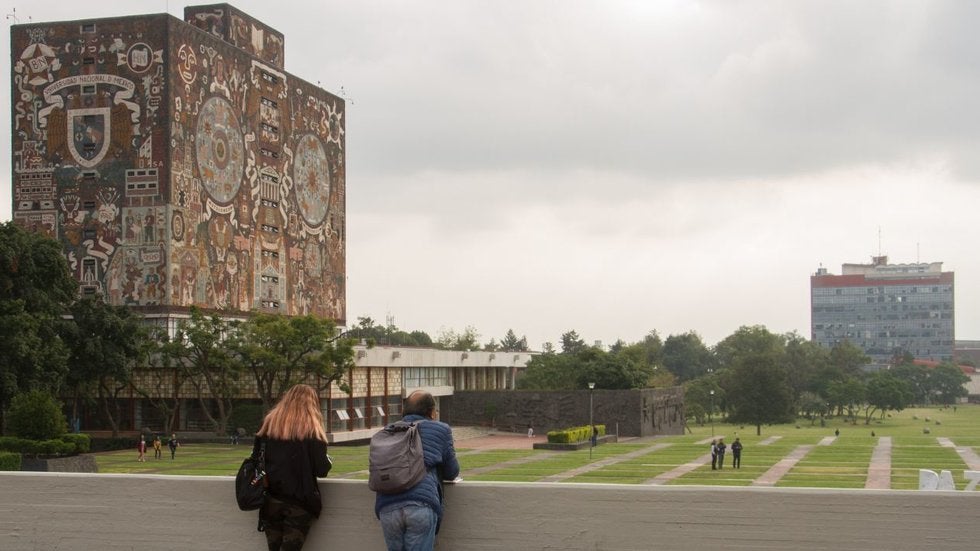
[[917, 260], [13, 15], [879, 240]]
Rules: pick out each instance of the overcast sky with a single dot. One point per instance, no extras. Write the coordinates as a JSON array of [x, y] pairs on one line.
[[619, 167]]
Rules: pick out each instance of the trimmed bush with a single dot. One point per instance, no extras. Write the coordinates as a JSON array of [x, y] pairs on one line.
[[35, 415], [9, 461], [574, 434], [82, 442], [66, 445]]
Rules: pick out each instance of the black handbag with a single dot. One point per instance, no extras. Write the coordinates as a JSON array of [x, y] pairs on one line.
[[250, 482]]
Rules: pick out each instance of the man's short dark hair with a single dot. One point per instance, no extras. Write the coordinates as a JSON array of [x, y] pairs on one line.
[[421, 403]]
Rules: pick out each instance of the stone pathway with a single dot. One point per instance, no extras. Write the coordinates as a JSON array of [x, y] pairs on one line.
[[777, 471], [603, 463], [880, 468], [967, 454], [679, 470]]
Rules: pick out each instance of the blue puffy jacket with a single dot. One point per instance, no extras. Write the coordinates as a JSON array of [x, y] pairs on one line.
[[440, 459]]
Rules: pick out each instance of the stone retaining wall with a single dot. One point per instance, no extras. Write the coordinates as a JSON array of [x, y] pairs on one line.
[[645, 412]]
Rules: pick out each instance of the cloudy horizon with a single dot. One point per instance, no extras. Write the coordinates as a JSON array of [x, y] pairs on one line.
[[619, 167]]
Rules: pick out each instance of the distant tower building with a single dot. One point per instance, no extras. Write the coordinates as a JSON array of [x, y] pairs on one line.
[[885, 309], [180, 165]]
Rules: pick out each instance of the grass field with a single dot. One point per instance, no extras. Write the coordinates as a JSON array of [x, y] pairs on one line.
[[842, 464]]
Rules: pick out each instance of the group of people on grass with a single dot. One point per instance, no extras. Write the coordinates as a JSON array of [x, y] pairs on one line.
[[718, 448], [157, 447]]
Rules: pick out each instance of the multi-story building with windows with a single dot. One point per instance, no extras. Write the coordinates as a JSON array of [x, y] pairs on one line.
[[181, 165], [885, 309]]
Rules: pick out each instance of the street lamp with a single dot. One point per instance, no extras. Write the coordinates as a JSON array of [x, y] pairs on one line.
[[710, 411], [591, 426]]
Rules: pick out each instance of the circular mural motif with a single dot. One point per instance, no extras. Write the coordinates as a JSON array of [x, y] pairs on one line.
[[220, 150], [311, 174]]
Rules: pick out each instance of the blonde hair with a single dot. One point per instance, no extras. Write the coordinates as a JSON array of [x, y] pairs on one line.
[[297, 416]]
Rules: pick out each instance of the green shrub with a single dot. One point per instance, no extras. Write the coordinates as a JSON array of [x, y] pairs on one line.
[[9, 461], [113, 444], [81, 442], [35, 415], [574, 434]]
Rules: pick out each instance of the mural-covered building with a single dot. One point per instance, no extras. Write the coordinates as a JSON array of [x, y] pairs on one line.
[[180, 165]]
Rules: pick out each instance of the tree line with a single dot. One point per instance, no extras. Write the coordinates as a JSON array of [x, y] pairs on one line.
[[753, 376], [90, 353]]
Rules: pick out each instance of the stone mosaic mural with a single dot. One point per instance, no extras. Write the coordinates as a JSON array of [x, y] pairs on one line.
[[177, 169]]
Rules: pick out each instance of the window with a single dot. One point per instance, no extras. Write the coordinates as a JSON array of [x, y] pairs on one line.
[[269, 103], [88, 28], [269, 128], [88, 61], [269, 153], [88, 89], [269, 77]]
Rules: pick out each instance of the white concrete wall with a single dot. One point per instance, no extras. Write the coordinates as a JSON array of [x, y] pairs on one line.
[[49, 511]]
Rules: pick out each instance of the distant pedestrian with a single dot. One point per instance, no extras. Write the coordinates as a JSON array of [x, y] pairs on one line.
[[836, 432], [714, 455], [530, 431], [141, 450], [172, 444], [595, 436], [720, 452], [872, 434], [737, 454], [157, 447]]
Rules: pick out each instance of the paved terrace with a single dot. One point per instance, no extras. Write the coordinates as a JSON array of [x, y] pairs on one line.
[[67, 511]]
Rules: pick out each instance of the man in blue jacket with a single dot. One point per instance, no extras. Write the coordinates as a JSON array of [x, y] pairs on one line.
[[411, 519]]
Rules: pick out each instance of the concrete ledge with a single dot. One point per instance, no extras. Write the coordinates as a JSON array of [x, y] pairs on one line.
[[68, 511]]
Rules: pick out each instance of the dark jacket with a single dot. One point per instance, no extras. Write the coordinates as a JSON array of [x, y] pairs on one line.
[[292, 467], [440, 460]]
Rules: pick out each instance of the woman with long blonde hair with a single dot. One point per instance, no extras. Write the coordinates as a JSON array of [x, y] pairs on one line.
[[295, 447]]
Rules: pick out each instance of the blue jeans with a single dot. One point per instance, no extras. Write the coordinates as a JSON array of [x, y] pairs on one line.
[[409, 527]]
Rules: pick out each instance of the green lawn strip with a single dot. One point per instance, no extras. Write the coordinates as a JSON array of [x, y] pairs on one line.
[[492, 457], [756, 460], [843, 464], [909, 454]]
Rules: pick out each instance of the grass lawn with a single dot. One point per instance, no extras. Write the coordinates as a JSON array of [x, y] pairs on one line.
[[841, 464]]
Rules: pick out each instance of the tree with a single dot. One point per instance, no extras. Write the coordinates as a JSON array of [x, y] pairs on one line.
[[106, 344], [451, 340], [510, 342], [571, 343], [811, 404], [756, 384], [946, 383], [209, 363], [917, 378], [686, 356], [697, 393], [845, 395], [36, 287], [884, 391], [280, 352], [549, 372], [804, 360], [36, 415]]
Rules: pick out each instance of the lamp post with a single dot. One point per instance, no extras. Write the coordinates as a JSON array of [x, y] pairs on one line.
[[591, 426], [711, 411]]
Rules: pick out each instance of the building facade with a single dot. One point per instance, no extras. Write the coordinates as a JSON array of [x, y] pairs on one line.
[[180, 165], [885, 309]]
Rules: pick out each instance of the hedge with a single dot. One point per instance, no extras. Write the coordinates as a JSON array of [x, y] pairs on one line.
[[574, 434], [9, 461], [68, 444]]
